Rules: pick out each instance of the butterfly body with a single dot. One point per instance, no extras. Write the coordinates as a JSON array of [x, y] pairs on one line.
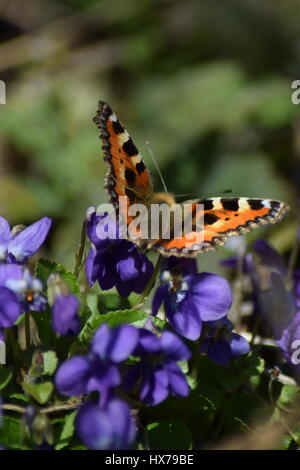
[[128, 176]]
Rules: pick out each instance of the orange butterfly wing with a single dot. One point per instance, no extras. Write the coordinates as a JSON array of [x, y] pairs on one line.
[[127, 174], [222, 218]]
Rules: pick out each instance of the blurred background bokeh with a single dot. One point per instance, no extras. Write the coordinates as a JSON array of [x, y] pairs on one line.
[[208, 83]]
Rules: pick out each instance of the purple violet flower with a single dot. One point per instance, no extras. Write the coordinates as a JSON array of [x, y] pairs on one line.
[[10, 308], [10, 272], [28, 289], [114, 262], [289, 342], [220, 343], [157, 372], [65, 319], [65, 306], [296, 289], [17, 245], [190, 299], [98, 370], [271, 300], [107, 427], [269, 256]]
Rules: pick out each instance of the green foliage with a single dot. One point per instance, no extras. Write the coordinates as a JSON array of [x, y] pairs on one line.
[[169, 435], [44, 268], [112, 319], [41, 392], [11, 435], [67, 431], [49, 362], [5, 377], [289, 396]]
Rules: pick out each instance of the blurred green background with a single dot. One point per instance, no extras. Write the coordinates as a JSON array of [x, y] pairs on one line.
[[207, 82]]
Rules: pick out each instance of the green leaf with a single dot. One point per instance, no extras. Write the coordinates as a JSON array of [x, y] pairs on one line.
[[159, 323], [289, 396], [108, 302], [44, 268], [67, 431], [247, 367], [50, 362], [287, 441], [169, 435], [211, 395], [239, 409], [40, 392], [11, 435], [121, 317], [5, 377], [112, 319], [19, 396], [243, 426], [43, 323]]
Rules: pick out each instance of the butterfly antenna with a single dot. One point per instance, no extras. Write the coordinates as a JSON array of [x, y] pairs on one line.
[[156, 165], [225, 191], [186, 195]]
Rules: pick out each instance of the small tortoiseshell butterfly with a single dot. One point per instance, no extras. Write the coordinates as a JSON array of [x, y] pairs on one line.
[[128, 176]]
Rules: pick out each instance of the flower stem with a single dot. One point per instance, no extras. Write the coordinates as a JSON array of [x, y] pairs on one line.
[[13, 347], [50, 409], [27, 330], [143, 297], [80, 251]]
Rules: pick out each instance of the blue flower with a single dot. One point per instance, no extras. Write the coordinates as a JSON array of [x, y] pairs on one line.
[[114, 262], [157, 372], [65, 319], [289, 342], [18, 244], [273, 301], [270, 257], [65, 306], [110, 426], [220, 343], [296, 290], [10, 308], [270, 298], [190, 299], [98, 370], [27, 288]]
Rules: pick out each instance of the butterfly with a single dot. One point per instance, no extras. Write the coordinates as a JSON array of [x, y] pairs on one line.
[[128, 176]]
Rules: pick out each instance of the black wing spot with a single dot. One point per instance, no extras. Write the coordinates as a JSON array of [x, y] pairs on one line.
[[140, 167], [275, 204], [130, 194], [117, 127], [230, 204], [130, 176], [210, 219], [255, 204], [130, 148], [208, 204]]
